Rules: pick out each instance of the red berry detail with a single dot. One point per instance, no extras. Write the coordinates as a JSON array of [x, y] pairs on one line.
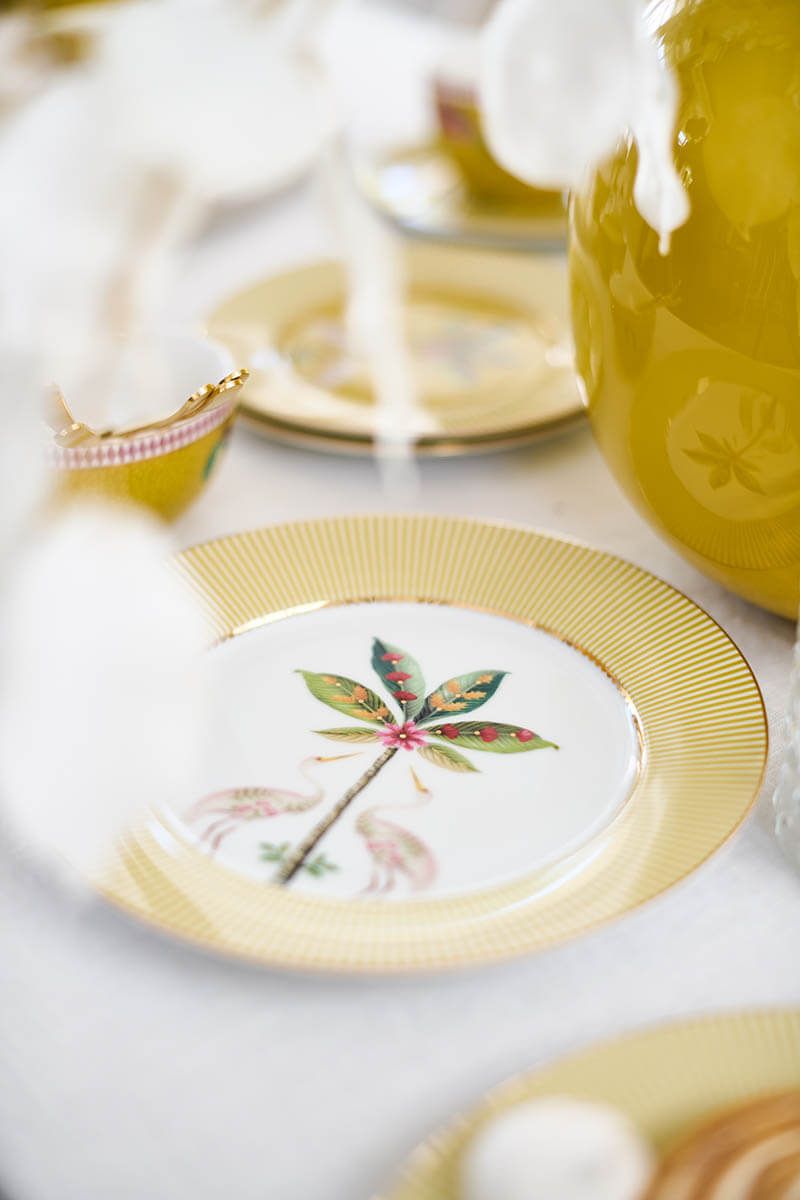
[[450, 731], [525, 735], [405, 695], [487, 734], [391, 657], [397, 676]]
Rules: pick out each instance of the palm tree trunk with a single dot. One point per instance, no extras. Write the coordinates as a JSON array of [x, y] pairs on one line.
[[309, 843]]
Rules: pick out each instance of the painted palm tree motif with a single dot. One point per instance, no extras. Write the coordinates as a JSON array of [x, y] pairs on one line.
[[423, 723]]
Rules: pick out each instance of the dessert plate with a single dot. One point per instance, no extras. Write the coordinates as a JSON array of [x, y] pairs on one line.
[[666, 1080], [442, 742], [489, 341]]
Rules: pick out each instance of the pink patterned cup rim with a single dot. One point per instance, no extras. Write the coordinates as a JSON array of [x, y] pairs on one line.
[[117, 451]]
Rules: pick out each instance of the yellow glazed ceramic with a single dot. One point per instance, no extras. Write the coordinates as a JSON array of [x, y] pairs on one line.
[[667, 1080], [441, 742], [461, 136], [691, 362], [163, 466]]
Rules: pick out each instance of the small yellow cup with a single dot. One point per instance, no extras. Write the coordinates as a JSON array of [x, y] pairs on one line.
[[461, 138], [163, 465]]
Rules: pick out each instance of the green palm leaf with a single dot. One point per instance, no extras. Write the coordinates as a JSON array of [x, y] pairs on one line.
[[390, 662], [462, 694], [443, 756], [494, 736], [347, 697], [352, 733]]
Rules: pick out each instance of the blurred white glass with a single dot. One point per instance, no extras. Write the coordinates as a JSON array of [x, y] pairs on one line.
[[786, 800]]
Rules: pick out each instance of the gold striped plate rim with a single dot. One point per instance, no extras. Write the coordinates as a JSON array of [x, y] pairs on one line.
[[698, 703], [666, 1078]]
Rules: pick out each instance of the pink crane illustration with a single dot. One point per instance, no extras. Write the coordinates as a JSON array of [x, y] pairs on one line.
[[234, 806], [394, 850]]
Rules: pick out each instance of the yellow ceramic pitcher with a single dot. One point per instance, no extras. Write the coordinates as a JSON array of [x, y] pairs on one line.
[[691, 361]]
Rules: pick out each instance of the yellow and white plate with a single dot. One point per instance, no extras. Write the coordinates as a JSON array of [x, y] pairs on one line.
[[420, 189], [441, 742], [489, 340], [667, 1080]]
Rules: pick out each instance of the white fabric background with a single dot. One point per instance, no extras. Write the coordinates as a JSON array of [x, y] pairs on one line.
[[134, 1068]]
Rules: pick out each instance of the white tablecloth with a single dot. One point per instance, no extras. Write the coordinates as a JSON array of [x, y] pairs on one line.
[[135, 1068]]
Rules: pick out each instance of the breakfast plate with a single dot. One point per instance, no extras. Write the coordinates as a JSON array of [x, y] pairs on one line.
[[666, 1080], [442, 742], [489, 343]]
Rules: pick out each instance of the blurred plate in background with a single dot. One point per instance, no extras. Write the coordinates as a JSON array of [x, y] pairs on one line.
[[420, 189], [488, 335], [665, 1080]]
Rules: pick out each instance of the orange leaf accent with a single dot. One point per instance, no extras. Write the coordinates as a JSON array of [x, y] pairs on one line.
[[437, 700], [359, 693], [453, 687], [485, 678], [474, 695]]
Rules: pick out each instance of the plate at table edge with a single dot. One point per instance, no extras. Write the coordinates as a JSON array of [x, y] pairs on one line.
[[667, 1079], [256, 323], [698, 708]]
